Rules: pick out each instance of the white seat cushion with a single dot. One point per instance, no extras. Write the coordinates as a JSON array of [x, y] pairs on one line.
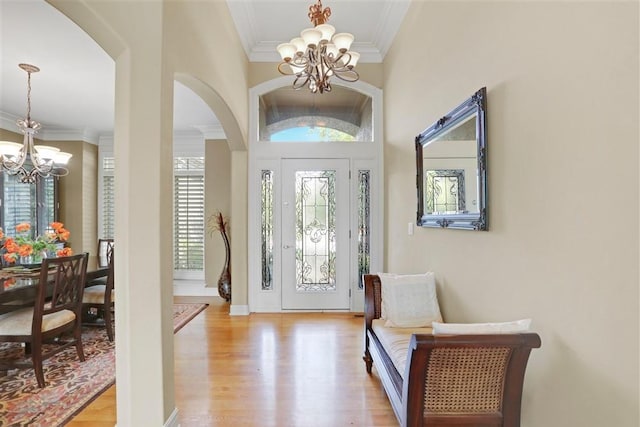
[[396, 341], [516, 326], [95, 294], [19, 322]]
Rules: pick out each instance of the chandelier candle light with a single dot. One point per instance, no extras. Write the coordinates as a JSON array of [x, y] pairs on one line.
[[27, 160], [318, 54]]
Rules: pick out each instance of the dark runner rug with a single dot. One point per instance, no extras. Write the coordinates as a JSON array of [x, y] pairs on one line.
[[71, 384]]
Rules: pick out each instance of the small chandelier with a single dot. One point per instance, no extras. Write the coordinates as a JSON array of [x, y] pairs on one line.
[[27, 160], [318, 54]]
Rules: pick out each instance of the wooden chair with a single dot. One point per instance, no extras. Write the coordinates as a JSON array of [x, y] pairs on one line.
[[57, 309], [105, 251], [100, 296]]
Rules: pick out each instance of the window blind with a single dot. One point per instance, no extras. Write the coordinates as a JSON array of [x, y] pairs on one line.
[[108, 213], [189, 213], [108, 196], [188, 233], [32, 203]]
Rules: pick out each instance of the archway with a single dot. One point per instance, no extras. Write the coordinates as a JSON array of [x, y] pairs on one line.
[[132, 34]]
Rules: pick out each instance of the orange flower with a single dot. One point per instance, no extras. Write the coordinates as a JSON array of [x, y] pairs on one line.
[[25, 250], [9, 258], [63, 234], [56, 226], [64, 252], [1, 234], [10, 245], [23, 227]]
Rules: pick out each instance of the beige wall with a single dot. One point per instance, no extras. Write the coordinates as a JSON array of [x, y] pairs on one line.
[[562, 81], [217, 199], [78, 195], [6, 135], [205, 53]]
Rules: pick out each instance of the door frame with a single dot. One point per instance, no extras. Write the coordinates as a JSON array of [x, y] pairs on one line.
[[268, 156]]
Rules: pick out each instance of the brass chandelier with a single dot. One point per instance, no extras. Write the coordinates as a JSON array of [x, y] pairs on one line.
[[27, 160], [318, 54]]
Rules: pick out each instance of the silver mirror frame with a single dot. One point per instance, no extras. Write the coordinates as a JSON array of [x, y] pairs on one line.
[[476, 104]]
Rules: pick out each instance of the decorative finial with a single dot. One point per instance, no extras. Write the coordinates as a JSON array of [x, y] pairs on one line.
[[317, 15]]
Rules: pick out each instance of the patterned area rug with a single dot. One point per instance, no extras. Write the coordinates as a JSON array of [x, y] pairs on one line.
[[71, 384]]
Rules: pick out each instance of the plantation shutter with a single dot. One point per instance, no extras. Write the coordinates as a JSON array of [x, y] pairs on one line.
[[108, 192], [19, 203], [32, 203], [46, 205], [189, 213], [188, 233]]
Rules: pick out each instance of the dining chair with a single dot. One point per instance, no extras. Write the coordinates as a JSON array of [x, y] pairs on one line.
[[105, 250], [56, 310], [100, 297]]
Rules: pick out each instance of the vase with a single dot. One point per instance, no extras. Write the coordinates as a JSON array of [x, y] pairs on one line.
[[224, 282], [25, 260]]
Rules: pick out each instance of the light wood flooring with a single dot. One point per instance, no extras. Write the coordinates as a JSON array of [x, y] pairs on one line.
[[272, 370]]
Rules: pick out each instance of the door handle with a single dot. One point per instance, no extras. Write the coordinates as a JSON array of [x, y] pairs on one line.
[[286, 247]]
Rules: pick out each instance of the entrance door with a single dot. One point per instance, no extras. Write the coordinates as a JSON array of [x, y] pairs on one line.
[[315, 234]]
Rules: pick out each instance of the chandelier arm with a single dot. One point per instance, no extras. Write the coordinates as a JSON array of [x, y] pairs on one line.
[[41, 166], [306, 78], [347, 75], [282, 69], [58, 171]]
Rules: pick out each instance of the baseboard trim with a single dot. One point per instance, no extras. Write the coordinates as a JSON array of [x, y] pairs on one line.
[[173, 419], [239, 310]]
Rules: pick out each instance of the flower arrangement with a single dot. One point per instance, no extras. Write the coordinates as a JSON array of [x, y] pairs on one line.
[[24, 246]]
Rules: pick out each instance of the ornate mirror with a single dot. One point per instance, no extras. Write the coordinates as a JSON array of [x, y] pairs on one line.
[[451, 168]]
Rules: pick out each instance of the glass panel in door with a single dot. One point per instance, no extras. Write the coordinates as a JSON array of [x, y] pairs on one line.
[[315, 234]]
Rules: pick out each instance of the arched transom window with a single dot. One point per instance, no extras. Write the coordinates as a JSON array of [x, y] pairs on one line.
[[344, 115]]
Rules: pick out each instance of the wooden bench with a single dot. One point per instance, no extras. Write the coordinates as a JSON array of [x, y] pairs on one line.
[[450, 380]]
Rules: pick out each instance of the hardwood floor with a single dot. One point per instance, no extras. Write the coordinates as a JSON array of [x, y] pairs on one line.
[[302, 370]]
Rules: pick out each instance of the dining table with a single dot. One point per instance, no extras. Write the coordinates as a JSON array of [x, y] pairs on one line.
[[19, 284]]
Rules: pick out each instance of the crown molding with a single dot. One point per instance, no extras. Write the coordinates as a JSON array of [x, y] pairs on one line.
[[51, 133], [8, 122], [212, 131], [243, 16], [391, 17], [390, 21]]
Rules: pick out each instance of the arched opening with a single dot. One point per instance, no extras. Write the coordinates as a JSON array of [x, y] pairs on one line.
[[150, 386]]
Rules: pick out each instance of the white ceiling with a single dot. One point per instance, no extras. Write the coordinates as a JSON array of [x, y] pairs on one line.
[[73, 94]]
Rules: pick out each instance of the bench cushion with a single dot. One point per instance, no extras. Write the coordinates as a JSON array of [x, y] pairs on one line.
[[409, 300], [516, 326], [396, 341]]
